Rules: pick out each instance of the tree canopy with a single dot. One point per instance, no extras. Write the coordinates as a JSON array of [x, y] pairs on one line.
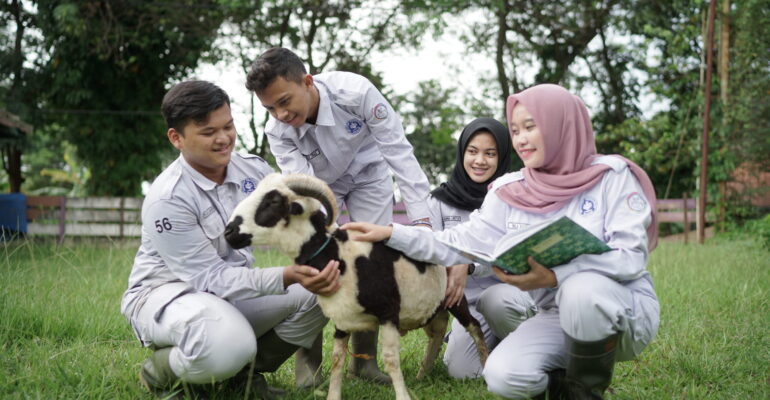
[[90, 75]]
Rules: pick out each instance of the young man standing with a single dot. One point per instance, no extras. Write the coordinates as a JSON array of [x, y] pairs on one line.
[[338, 127], [194, 300]]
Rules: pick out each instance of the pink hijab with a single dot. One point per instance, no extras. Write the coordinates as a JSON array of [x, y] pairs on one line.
[[569, 151]]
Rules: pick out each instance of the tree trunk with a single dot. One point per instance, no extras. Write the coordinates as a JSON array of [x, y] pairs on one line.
[[724, 53], [14, 168]]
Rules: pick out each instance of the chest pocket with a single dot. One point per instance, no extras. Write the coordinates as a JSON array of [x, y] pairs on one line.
[[213, 227]]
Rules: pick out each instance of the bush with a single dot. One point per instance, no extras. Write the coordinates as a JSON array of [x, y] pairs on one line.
[[760, 229]]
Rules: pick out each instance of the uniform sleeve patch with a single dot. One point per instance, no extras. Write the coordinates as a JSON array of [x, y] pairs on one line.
[[380, 111], [636, 202]]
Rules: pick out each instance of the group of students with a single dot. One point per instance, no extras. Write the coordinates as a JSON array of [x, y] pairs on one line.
[[209, 316]]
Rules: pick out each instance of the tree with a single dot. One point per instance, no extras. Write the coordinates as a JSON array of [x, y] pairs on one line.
[[432, 121], [327, 35], [520, 35], [18, 89], [104, 67]]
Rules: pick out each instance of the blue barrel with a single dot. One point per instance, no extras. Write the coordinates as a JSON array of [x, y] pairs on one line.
[[13, 215]]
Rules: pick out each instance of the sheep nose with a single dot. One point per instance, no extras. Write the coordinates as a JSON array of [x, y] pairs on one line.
[[233, 235]]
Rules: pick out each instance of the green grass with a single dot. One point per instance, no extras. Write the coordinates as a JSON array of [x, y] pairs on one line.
[[62, 335]]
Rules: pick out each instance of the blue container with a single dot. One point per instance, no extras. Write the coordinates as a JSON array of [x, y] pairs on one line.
[[13, 215]]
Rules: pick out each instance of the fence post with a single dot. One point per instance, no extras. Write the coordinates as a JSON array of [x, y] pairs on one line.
[[686, 219], [122, 208], [62, 218]]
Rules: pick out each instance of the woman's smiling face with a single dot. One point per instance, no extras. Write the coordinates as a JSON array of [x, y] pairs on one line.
[[527, 139], [480, 158]]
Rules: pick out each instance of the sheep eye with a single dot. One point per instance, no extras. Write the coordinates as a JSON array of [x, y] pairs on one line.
[[296, 209]]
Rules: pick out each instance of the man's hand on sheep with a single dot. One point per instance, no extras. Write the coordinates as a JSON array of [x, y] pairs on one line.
[[369, 232], [323, 282]]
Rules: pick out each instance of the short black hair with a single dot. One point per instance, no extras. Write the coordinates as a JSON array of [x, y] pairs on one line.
[[191, 100], [274, 63]]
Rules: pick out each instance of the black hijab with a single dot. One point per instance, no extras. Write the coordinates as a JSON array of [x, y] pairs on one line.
[[461, 191]]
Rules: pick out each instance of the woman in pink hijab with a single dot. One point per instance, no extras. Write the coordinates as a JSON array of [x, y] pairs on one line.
[[592, 311]]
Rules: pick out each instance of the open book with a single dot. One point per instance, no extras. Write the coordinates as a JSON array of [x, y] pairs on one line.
[[551, 243]]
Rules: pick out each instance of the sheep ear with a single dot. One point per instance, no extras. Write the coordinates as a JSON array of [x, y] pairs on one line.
[[296, 208], [273, 207]]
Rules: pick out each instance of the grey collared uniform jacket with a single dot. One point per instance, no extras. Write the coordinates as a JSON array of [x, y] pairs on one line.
[[614, 210], [356, 130], [183, 217]]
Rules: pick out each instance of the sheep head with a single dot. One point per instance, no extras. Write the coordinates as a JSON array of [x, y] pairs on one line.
[[284, 211]]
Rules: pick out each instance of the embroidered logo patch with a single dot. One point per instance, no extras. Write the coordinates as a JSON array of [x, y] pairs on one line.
[[515, 226], [354, 126], [380, 111], [636, 202], [587, 207], [451, 218], [248, 185]]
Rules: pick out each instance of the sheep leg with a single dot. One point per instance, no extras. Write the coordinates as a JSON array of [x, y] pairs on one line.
[[391, 349], [435, 329], [339, 353], [463, 315]]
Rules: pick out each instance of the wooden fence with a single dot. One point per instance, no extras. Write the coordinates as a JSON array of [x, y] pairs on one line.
[[120, 217], [89, 216]]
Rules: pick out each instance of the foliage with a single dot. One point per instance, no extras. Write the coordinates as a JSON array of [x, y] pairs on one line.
[[327, 35], [101, 69], [63, 337], [748, 118], [432, 122], [98, 70], [51, 165], [758, 228], [666, 152]]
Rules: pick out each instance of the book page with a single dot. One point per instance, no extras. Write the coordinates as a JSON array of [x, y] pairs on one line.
[[473, 255]]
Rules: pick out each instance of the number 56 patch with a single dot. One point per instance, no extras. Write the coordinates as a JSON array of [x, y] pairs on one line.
[[162, 225]]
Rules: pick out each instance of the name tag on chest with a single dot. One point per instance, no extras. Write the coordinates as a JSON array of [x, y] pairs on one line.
[[313, 154]]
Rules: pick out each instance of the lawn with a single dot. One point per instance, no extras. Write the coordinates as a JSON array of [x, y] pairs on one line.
[[63, 337]]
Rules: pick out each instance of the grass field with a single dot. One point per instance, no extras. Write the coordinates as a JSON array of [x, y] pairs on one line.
[[62, 335]]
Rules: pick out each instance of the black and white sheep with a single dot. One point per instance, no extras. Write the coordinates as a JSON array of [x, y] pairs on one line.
[[379, 286]]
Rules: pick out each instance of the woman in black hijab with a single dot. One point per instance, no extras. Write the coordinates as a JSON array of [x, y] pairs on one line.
[[465, 190], [483, 154]]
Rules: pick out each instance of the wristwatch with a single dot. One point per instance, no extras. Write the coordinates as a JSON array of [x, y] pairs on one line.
[[471, 268]]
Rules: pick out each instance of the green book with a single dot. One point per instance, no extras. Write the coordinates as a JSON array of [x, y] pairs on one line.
[[551, 243]]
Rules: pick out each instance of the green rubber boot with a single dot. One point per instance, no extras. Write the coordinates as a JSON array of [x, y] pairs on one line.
[[307, 365], [557, 389], [156, 374], [589, 367], [365, 343], [248, 381], [272, 352]]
